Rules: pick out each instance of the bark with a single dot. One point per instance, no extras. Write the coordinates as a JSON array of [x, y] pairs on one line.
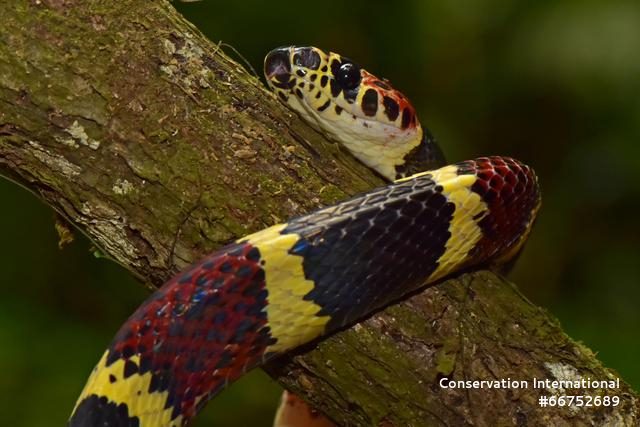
[[138, 130]]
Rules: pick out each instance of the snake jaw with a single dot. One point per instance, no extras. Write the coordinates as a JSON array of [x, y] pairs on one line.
[[337, 97]]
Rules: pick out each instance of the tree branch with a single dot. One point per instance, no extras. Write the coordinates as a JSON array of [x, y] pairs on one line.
[[142, 133]]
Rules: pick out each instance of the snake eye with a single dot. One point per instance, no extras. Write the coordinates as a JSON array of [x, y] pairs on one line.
[[348, 76]]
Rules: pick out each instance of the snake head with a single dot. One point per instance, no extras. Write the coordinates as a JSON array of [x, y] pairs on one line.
[[339, 98]]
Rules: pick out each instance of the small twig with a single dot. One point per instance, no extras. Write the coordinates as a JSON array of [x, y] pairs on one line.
[[246, 62], [189, 94]]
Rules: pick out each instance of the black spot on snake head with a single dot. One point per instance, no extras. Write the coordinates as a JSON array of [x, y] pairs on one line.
[[382, 84], [307, 57], [335, 88], [407, 118], [277, 65], [391, 108], [370, 102]]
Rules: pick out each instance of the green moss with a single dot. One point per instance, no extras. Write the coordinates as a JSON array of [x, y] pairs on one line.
[[446, 357]]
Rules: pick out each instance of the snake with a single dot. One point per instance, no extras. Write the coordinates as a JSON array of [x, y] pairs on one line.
[[269, 292]]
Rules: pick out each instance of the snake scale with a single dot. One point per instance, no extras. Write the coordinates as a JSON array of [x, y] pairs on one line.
[[281, 287]]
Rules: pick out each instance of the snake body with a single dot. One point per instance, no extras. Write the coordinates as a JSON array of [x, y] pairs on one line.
[[281, 287]]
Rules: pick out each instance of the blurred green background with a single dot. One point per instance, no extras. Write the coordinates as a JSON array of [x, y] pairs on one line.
[[553, 83]]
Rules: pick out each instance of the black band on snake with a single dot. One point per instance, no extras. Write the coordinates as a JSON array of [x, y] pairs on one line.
[[274, 290]]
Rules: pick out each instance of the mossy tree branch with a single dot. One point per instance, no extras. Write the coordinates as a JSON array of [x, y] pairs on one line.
[[128, 122]]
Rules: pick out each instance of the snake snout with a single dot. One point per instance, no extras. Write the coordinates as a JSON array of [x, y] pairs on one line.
[[277, 64]]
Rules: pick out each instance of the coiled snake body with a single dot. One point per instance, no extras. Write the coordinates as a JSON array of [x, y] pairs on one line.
[[274, 290]]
